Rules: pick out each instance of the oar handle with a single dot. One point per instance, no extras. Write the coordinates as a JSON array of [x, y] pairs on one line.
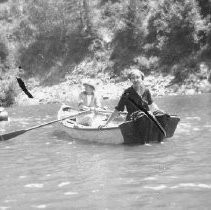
[[109, 112]]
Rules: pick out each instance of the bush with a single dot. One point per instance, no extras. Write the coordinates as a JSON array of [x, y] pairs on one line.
[[182, 70], [146, 65], [174, 30], [7, 93]]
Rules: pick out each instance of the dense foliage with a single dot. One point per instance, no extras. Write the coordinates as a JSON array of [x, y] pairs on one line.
[[50, 39]]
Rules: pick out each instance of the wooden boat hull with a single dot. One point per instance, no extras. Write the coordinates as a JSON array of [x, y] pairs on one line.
[[140, 131], [144, 130], [111, 135]]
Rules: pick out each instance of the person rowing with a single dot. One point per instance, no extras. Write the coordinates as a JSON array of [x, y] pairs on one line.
[[135, 98]]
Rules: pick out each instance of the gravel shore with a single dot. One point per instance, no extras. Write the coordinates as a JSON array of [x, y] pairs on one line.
[[67, 91]]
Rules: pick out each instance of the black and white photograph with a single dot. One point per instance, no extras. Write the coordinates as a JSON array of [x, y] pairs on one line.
[[105, 104]]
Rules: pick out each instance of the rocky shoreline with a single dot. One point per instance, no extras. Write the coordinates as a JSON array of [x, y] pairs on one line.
[[67, 91]]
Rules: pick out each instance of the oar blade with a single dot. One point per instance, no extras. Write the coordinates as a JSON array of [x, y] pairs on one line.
[[11, 135], [17, 133]]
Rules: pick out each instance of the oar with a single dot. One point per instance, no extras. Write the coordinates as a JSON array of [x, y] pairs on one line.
[[109, 112], [151, 116], [23, 87], [19, 132]]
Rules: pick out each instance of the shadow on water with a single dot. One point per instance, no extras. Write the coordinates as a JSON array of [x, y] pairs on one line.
[[58, 134]]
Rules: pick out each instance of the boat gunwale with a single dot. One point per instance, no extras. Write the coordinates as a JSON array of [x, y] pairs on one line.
[[93, 128], [103, 128], [86, 128]]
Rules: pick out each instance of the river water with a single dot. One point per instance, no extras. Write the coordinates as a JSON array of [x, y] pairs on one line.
[[45, 169]]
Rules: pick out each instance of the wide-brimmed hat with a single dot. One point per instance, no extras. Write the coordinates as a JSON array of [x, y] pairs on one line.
[[89, 83]]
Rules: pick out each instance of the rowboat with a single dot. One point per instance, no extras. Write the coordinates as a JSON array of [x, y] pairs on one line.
[[119, 131]]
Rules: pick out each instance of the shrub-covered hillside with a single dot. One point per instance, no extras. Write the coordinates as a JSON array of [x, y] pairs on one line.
[[51, 39]]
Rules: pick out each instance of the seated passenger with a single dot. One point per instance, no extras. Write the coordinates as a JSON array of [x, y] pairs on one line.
[[88, 100]]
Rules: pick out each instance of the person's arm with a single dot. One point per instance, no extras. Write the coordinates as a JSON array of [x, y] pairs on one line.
[[97, 101], [81, 105], [120, 107], [153, 107], [114, 114]]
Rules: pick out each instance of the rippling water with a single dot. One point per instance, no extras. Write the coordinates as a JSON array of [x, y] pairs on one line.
[[44, 169]]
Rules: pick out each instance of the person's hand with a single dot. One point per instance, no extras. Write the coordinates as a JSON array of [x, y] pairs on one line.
[[84, 108], [102, 126], [159, 111]]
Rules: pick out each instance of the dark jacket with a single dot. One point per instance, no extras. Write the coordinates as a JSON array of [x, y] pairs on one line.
[[143, 101]]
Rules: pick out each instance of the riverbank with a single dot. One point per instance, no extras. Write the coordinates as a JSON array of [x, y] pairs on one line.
[[68, 90]]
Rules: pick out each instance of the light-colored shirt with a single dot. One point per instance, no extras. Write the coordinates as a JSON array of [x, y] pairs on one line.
[[88, 100]]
